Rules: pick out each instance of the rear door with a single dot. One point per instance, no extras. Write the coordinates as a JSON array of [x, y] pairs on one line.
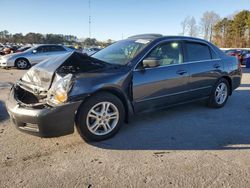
[[162, 85], [205, 68], [55, 50]]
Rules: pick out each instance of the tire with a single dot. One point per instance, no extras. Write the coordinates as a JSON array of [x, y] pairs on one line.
[[22, 63], [91, 115], [215, 101]]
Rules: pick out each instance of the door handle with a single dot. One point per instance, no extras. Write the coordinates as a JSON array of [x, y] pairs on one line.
[[181, 72], [216, 66]]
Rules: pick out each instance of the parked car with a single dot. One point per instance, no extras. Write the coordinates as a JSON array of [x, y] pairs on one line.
[[90, 51], [245, 54], [8, 50], [101, 92], [32, 56], [22, 49], [232, 52], [235, 52]]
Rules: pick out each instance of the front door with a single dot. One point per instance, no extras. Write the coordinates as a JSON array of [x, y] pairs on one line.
[[162, 85]]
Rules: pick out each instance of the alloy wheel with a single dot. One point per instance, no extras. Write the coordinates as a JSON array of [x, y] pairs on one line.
[[22, 64], [102, 118], [221, 93]]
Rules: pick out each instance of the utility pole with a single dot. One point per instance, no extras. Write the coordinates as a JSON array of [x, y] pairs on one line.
[[89, 20]]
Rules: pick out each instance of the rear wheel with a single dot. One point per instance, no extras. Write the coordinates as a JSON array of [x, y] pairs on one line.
[[219, 94], [100, 117], [22, 63]]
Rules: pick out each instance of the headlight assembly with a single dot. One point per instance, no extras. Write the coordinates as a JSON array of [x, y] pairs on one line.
[[58, 93]]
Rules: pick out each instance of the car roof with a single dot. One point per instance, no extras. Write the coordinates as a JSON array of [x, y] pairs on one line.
[[159, 37], [154, 36], [48, 45], [146, 36]]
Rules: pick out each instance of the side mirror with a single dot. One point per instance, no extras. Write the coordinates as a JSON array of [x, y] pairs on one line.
[[151, 62], [34, 51]]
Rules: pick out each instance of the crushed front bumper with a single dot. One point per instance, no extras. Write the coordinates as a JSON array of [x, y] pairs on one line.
[[43, 122]]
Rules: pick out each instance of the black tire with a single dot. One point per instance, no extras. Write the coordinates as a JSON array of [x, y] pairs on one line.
[[22, 63], [84, 109], [212, 100]]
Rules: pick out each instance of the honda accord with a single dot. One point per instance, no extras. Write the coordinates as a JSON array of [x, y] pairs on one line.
[[101, 92]]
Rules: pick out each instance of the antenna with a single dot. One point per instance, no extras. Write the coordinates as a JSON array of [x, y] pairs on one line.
[[89, 20]]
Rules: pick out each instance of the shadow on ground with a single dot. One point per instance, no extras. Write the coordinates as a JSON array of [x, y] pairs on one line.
[[188, 127], [3, 112]]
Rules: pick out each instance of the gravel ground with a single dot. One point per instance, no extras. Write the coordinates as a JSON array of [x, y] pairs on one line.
[[185, 146]]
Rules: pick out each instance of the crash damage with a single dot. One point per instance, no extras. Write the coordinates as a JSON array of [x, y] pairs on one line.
[[54, 89]]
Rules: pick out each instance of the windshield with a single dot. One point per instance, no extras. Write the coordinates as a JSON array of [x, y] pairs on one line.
[[121, 52]]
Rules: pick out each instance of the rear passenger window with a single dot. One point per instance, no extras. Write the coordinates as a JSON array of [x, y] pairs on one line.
[[197, 52], [57, 48]]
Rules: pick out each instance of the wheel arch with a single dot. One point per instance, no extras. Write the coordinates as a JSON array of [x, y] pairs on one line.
[[115, 91], [21, 58], [229, 80]]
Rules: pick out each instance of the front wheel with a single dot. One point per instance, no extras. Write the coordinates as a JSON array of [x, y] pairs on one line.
[[22, 64], [220, 93], [100, 117]]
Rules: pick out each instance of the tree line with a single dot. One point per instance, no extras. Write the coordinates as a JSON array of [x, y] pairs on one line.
[[38, 38], [229, 32]]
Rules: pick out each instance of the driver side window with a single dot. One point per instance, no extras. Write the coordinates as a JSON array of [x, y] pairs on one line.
[[167, 53]]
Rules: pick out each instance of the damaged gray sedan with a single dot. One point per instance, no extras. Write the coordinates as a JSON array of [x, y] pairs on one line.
[[99, 93]]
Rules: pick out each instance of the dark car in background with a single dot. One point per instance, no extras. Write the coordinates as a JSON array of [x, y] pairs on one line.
[[240, 54], [99, 93], [245, 55], [233, 52]]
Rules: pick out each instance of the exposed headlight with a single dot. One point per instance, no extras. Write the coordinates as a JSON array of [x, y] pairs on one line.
[[58, 93]]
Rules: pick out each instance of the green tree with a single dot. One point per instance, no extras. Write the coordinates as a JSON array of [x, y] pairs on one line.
[[5, 36], [240, 28], [54, 39], [248, 30], [36, 38], [223, 33], [18, 38], [90, 42]]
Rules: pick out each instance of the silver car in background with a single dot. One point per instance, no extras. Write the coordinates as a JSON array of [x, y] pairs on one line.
[[33, 55]]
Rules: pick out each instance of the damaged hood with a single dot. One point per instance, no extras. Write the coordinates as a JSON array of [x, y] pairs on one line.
[[40, 76]]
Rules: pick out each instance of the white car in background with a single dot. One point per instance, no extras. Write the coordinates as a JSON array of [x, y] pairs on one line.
[[34, 55]]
